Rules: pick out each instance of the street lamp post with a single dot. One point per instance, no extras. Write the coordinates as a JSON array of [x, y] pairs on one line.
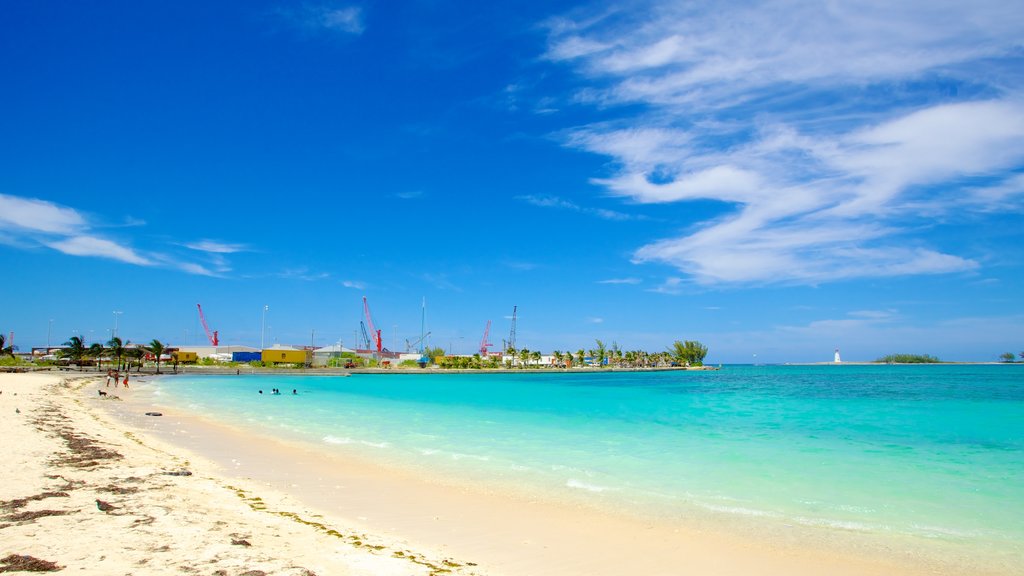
[[49, 329], [116, 314], [263, 330]]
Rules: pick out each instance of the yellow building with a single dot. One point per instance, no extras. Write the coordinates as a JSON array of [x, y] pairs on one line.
[[284, 356], [183, 356]]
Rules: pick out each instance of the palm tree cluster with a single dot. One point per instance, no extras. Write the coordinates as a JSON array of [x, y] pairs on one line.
[[5, 348], [124, 353]]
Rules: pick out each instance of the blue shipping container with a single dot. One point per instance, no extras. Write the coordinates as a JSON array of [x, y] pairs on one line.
[[245, 356]]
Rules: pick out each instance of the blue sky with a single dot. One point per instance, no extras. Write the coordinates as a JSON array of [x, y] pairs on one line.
[[773, 179]]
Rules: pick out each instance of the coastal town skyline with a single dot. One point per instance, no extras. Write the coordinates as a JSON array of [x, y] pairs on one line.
[[637, 173]]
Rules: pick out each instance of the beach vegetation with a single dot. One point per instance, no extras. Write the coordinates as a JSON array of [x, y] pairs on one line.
[[599, 353], [96, 352], [1006, 357], [116, 347], [134, 355], [156, 348], [690, 353], [909, 359], [74, 351], [5, 348]]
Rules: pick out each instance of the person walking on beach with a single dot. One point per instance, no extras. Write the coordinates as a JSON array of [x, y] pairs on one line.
[[126, 380]]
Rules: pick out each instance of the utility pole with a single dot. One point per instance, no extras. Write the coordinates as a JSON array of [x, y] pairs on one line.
[[263, 330], [512, 332]]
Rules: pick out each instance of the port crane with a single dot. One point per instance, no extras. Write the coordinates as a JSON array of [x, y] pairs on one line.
[[374, 332], [410, 345], [484, 344], [212, 336]]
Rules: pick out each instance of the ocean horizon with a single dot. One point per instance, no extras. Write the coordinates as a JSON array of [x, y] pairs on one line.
[[929, 453]]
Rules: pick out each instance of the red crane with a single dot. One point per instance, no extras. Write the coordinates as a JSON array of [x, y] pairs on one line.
[[374, 333], [212, 336], [484, 344]]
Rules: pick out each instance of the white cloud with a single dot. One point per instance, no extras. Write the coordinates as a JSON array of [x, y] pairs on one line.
[[217, 247], [829, 131], [620, 281], [354, 284], [329, 17], [39, 215], [99, 247], [556, 202], [197, 269]]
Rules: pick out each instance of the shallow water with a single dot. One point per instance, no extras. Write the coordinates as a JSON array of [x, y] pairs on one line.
[[932, 452]]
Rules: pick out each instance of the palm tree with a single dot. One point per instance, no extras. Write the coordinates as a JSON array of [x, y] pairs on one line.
[[4, 349], [116, 347], [600, 353], [157, 348], [136, 353], [96, 351], [580, 356], [524, 355], [536, 356], [74, 349], [558, 358]]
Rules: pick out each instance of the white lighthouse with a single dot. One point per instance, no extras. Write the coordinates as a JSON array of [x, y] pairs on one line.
[[837, 360]]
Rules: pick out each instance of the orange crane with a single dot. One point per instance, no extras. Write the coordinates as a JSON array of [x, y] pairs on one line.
[[374, 332], [484, 344], [214, 340]]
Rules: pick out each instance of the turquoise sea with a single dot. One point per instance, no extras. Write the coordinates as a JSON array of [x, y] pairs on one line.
[[928, 452]]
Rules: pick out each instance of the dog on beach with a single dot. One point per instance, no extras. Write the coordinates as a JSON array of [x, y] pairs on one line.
[[102, 393]]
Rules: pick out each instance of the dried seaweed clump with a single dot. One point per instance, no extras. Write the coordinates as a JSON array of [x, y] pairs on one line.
[[25, 563]]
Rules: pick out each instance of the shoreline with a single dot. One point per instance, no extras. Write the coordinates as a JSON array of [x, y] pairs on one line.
[[463, 528]]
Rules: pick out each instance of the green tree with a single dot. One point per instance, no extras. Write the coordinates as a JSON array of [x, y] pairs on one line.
[[600, 353], [690, 352], [5, 350], [96, 352], [1006, 357], [74, 350], [536, 356], [116, 347], [558, 357], [156, 348], [136, 354], [581, 356], [524, 357]]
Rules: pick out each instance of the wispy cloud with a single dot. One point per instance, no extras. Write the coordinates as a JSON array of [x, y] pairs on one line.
[[409, 194], [330, 17], [830, 132], [217, 247], [354, 284], [30, 214], [100, 247], [29, 223], [441, 281], [556, 202], [620, 281], [302, 273]]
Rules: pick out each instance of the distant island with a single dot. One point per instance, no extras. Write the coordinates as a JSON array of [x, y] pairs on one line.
[[909, 359]]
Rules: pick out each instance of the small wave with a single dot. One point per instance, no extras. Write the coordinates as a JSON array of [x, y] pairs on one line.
[[346, 440], [840, 524], [428, 451], [459, 456], [572, 483], [336, 440], [943, 532], [739, 510]]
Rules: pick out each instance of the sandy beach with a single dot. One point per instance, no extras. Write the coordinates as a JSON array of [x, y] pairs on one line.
[[94, 485]]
